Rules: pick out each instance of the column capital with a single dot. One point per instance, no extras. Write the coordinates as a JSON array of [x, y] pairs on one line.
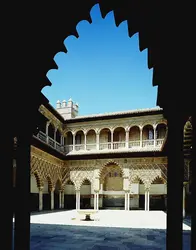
[[40, 188]]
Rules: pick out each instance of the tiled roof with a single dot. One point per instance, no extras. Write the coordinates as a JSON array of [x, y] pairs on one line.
[[135, 111]]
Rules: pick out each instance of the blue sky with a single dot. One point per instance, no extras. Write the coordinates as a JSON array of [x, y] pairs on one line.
[[103, 70]]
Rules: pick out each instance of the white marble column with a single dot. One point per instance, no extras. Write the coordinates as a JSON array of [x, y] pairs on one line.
[[52, 199], [148, 195], [40, 199], [127, 139], [125, 200], [97, 141], [112, 135], [96, 200], [183, 200], [140, 137], [146, 201], [154, 136], [74, 141], [128, 201], [84, 141], [77, 199], [60, 199], [47, 137]]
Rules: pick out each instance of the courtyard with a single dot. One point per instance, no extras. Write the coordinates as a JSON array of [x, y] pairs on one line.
[[109, 229]]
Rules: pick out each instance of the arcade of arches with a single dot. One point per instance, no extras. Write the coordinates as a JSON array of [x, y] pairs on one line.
[[133, 183]]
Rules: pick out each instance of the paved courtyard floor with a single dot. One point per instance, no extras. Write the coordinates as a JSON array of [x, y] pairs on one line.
[[112, 229]]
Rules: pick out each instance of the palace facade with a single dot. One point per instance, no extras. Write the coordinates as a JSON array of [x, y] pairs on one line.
[[111, 160]]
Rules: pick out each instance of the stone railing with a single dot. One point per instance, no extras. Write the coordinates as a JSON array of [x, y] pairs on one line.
[[116, 146]]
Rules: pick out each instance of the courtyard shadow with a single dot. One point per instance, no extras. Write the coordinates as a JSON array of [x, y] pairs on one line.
[[51, 237]]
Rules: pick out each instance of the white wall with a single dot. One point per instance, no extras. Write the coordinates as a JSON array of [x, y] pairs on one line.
[[34, 188], [134, 188], [154, 189], [85, 189], [45, 188], [69, 189]]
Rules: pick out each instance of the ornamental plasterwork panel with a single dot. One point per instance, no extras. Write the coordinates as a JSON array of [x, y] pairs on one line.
[[78, 176], [46, 165], [42, 154], [147, 173]]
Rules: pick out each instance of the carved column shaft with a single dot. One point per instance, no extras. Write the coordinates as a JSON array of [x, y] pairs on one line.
[[40, 199], [97, 141], [52, 199], [63, 200], [127, 139], [140, 137], [74, 141], [77, 199], [60, 199]]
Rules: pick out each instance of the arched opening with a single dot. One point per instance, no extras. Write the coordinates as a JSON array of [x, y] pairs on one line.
[[69, 142], [70, 195], [134, 137], [91, 140], [160, 134], [85, 195], [105, 139], [57, 194], [141, 192], [158, 194], [34, 192], [148, 136], [79, 140], [111, 187], [51, 133], [46, 194], [119, 138], [58, 136]]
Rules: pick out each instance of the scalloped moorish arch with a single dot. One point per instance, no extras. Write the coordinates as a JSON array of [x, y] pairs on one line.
[[38, 179], [111, 162], [50, 184], [159, 179]]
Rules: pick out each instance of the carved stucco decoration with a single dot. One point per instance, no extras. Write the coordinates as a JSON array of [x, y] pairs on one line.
[[105, 163], [147, 173], [79, 174], [42, 154], [49, 168]]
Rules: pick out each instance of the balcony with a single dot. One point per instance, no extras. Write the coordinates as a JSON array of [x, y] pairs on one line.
[[103, 147], [108, 147], [51, 142]]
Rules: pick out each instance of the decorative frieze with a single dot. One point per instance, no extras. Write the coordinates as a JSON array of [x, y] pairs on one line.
[[47, 167]]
